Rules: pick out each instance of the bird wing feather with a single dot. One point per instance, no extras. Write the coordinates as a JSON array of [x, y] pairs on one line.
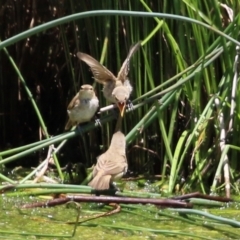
[[122, 74], [109, 166], [100, 182], [75, 101], [101, 74]]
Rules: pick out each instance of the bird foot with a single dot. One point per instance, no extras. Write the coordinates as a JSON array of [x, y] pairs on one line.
[[98, 123], [130, 106], [79, 129], [97, 119]]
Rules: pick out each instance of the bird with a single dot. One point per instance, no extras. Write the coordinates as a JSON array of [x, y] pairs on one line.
[[82, 107], [112, 164], [116, 89]]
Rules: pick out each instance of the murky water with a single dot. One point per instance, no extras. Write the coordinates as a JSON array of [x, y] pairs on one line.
[[128, 224]]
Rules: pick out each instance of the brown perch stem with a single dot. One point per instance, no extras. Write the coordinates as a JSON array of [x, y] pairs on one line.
[[203, 196], [158, 202]]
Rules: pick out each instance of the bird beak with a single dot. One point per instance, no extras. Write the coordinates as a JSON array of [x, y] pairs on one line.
[[121, 107]]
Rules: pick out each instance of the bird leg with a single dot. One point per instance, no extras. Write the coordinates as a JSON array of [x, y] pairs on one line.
[[113, 186]]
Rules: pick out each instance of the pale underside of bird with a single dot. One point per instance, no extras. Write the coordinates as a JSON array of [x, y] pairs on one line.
[[116, 89], [83, 106], [112, 164]]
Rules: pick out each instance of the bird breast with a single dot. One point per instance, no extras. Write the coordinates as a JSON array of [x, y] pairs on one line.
[[84, 111]]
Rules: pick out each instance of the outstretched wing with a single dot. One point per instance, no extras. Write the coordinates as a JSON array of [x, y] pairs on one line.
[[122, 74], [101, 74]]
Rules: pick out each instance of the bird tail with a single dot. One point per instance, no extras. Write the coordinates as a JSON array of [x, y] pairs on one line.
[[100, 182]]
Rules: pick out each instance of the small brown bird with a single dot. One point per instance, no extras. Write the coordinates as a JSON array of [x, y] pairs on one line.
[[116, 89], [82, 107], [112, 164]]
